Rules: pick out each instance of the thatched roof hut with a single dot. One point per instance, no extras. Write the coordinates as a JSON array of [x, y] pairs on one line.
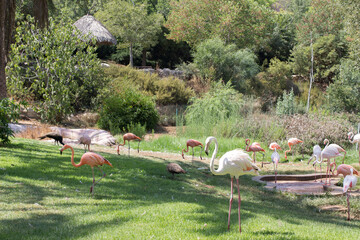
[[89, 25]]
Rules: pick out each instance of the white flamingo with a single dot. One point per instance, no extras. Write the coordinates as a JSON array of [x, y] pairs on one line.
[[236, 163], [354, 139], [330, 151], [275, 157], [349, 182], [316, 154]]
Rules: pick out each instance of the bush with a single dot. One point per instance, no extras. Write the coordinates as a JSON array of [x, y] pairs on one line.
[[9, 111], [213, 113], [125, 108], [344, 93], [55, 69], [314, 128], [216, 61], [167, 90]]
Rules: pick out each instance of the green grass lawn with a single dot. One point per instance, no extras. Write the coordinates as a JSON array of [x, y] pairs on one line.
[[42, 196]]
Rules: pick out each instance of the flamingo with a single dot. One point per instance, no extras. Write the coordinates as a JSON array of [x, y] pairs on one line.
[[349, 182], [129, 137], [316, 154], [275, 156], [330, 151], [90, 158], [192, 143], [236, 163], [340, 149], [86, 140], [254, 147], [354, 139], [292, 142], [343, 169]]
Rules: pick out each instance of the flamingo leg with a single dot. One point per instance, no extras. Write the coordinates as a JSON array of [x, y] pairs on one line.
[[89, 147], [254, 157], [129, 147], [348, 205], [239, 203], [275, 172], [201, 152], [315, 174], [192, 159], [262, 163], [93, 185], [320, 172], [359, 155], [138, 146], [231, 200]]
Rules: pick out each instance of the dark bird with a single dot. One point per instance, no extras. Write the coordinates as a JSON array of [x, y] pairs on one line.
[[174, 168], [57, 137]]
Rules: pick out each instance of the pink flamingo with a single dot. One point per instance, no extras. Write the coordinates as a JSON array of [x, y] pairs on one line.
[[292, 142], [254, 147], [340, 149], [343, 169], [128, 137], [354, 139], [236, 163], [275, 156], [192, 143], [349, 182], [330, 151], [90, 158], [316, 154]]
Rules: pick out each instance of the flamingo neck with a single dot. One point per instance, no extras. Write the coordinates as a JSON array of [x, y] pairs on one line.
[[212, 169], [122, 144], [247, 142], [72, 158]]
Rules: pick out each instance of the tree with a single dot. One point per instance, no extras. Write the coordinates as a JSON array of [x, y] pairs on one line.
[[53, 68], [344, 93], [218, 61], [131, 23], [242, 22], [7, 21], [323, 18]]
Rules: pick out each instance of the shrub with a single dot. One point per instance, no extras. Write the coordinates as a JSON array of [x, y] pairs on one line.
[[216, 61], [54, 68], [167, 90], [9, 111], [126, 108], [344, 93], [210, 113], [314, 128]]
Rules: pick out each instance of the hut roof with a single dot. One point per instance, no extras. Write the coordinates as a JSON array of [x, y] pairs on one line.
[[89, 25]]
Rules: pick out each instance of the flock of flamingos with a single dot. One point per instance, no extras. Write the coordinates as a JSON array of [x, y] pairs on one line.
[[235, 163]]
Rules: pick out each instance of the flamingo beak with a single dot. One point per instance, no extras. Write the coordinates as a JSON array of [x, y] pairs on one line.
[[60, 152], [207, 153]]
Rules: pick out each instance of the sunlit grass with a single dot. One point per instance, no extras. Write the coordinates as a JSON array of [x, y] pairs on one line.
[[44, 197]]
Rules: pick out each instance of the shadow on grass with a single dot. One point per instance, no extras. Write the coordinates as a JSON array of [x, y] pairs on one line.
[[142, 182]]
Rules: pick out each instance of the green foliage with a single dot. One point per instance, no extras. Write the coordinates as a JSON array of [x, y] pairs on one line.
[[323, 18], [136, 128], [128, 107], [54, 68], [9, 112], [275, 80], [328, 51], [242, 22], [168, 90], [344, 93], [216, 109], [286, 105], [131, 23], [216, 61]]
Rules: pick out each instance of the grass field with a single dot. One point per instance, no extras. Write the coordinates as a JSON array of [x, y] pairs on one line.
[[44, 197]]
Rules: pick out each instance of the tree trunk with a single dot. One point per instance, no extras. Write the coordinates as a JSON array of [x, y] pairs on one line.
[[131, 56], [7, 21], [41, 13], [143, 61]]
